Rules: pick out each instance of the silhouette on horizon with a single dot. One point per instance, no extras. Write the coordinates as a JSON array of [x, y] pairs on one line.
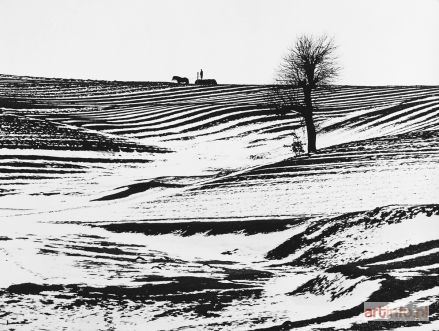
[[201, 81], [181, 80]]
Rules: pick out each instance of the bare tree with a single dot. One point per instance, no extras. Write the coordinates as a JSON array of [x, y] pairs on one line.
[[310, 64]]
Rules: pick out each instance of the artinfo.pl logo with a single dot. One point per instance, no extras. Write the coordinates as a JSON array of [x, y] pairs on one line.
[[386, 311]]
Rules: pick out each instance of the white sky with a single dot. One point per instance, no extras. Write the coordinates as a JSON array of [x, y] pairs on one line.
[[234, 41]]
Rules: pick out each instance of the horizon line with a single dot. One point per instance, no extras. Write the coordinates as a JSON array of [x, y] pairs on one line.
[[219, 84]]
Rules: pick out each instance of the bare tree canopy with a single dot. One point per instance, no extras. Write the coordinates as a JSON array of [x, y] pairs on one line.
[[309, 64]]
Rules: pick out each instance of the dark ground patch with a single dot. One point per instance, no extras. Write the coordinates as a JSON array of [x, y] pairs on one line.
[[203, 296], [209, 228], [137, 188], [22, 132]]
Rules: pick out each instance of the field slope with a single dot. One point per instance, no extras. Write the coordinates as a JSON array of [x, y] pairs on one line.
[[133, 205]]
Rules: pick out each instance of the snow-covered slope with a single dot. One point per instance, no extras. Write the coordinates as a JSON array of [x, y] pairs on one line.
[[161, 206]]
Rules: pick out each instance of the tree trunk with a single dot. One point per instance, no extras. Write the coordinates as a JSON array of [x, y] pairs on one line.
[[311, 132], [309, 121]]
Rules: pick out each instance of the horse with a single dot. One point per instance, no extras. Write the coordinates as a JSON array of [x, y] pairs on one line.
[[181, 80]]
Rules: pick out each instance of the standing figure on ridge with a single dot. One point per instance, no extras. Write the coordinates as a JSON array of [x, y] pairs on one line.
[[201, 74]]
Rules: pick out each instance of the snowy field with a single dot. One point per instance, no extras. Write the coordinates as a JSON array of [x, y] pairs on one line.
[[152, 206]]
